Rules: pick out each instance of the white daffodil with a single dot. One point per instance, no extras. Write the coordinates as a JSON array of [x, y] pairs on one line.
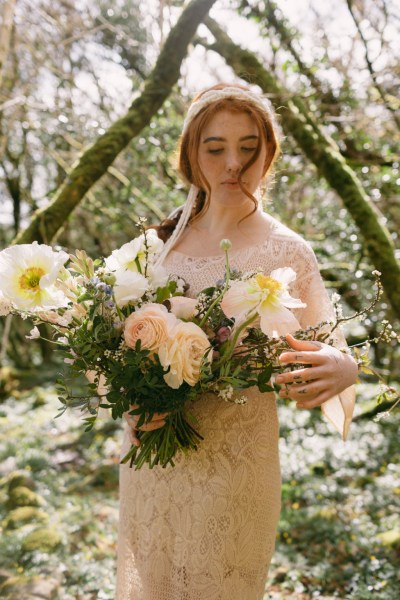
[[132, 256], [266, 296], [28, 276], [129, 287]]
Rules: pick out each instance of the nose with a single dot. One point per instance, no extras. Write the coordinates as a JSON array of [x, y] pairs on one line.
[[233, 162]]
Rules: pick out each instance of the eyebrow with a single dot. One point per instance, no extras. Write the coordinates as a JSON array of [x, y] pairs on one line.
[[221, 139]]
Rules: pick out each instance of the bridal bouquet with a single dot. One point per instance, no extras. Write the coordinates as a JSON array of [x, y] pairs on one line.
[[125, 323]]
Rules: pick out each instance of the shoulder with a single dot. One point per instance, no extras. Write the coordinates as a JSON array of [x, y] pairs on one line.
[[281, 234]]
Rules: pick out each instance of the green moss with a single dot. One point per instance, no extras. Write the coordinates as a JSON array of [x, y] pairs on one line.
[[24, 514], [41, 540], [19, 479], [23, 496]]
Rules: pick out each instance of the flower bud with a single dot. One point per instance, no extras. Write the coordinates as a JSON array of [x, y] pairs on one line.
[[225, 244], [110, 279]]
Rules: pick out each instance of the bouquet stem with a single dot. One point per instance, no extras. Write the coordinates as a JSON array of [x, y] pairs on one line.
[[158, 447]]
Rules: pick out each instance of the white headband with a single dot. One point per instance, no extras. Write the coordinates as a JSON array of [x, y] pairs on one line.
[[205, 99]]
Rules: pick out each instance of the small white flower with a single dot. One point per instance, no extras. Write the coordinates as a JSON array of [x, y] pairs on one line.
[[129, 287], [132, 256], [240, 400], [69, 361], [158, 276], [62, 340], [34, 334]]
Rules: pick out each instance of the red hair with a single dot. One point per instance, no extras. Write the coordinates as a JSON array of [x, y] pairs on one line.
[[188, 163]]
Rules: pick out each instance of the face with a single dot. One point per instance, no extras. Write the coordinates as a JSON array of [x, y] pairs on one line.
[[227, 143]]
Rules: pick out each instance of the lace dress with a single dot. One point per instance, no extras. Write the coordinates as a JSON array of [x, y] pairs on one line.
[[205, 529]]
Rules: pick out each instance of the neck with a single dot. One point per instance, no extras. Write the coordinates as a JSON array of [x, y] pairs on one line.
[[222, 220]]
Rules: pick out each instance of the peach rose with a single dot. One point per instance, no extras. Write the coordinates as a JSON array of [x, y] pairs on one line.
[[150, 324], [183, 308], [183, 352]]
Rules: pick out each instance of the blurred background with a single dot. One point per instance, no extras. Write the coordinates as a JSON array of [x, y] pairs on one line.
[[69, 69]]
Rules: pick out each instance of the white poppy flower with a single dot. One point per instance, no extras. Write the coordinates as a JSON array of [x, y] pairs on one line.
[[267, 296], [28, 276]]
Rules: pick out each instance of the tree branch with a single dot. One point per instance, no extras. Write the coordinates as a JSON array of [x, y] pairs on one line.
[[96, 160]]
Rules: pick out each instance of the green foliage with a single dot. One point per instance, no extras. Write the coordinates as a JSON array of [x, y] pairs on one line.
[[340, 503]]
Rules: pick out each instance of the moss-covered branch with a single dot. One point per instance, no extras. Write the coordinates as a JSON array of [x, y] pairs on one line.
[[324, 153], [95, 161]]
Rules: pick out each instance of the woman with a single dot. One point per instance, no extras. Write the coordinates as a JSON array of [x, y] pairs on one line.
[[205, 529]]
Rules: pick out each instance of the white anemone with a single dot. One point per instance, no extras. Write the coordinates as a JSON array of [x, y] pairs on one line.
[[28, 277], [267, 296]]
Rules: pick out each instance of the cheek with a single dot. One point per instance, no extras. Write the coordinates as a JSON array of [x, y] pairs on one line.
[[208, 166]]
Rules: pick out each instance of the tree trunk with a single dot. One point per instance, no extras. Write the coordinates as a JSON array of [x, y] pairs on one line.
[[96, 160], [323, 152], [5, 34]]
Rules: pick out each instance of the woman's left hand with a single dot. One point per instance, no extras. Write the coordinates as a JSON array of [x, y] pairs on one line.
[[331, 371]]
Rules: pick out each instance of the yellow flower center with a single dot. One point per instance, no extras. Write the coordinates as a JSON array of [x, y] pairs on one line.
[[30, 279], [268, 283]]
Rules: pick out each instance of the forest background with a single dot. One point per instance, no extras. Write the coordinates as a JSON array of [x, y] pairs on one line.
[[92, 98]]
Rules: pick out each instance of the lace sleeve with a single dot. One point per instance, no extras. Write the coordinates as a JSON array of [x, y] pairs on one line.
[[310, 288]]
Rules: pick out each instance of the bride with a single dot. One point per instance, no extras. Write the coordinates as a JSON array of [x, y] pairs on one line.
[[205, 529]]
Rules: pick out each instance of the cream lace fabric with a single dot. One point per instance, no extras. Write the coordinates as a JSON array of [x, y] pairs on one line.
[[205, 529]]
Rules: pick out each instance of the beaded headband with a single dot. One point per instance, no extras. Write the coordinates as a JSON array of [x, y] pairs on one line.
[[195, 108]]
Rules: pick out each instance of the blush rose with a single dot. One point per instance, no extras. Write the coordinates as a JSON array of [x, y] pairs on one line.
[[151, 324], [183, 353]]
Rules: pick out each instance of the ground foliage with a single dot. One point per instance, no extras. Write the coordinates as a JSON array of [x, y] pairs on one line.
[[338, 533]]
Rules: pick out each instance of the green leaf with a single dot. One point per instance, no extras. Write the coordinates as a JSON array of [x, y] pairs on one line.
[[264, 378], [163, 293]]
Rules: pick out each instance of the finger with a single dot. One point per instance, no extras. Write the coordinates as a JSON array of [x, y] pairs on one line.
[[299, 375], [304, 357], [151, 426], [133, 437], [160, 415], [301, 393], [309, 345], [314, 402], [307, 392]]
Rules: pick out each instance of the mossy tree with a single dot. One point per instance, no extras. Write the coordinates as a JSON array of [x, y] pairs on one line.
[[94, 162], [324, 153]]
